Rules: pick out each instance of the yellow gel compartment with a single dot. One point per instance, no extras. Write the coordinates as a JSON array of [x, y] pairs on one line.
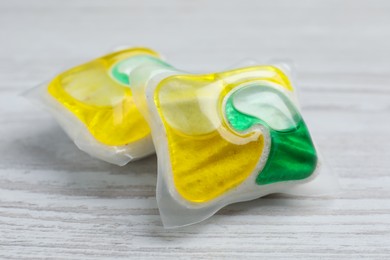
[[104, 105], [205, 164]]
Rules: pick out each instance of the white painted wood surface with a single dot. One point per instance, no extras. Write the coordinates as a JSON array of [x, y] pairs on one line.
[[57, 202]]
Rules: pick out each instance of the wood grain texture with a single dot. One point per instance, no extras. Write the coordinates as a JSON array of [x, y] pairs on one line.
[[57, 202]]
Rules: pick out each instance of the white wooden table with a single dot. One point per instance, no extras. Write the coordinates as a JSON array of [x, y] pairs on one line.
[[57, 202]]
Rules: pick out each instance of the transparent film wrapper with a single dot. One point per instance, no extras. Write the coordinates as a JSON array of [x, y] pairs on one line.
[[226, 137], [93, 103]]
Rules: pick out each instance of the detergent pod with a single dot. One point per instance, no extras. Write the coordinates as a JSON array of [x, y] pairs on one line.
[[94, 105], [224, 137]]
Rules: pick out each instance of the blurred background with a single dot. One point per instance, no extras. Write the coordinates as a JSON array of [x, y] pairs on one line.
[[337, 40]]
